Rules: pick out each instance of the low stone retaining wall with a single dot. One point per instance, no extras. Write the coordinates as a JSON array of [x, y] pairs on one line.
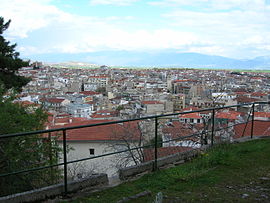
[[54, 190], [131, 171]]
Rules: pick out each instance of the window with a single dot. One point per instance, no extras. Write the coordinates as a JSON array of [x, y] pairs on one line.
[[192, 120], [92, 151]]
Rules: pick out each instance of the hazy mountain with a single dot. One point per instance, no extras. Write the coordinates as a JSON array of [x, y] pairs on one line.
[[169, 58]]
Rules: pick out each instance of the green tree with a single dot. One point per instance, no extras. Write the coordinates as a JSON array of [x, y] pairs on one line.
[[25, 152], [101, 90], [119, 108], [22, 152], [10, 62]]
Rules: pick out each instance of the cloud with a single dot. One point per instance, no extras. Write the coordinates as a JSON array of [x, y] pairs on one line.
[[216, 50], [233, 29], [113, 2], [177, 2], [53, 30], [41, 27], [214, 4], [29, 15], [112, 38], [142, 39]]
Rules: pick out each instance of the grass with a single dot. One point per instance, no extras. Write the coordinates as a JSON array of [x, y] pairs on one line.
[[227, 172]]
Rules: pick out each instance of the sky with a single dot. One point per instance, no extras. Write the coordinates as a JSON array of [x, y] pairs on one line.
[[232, 28]]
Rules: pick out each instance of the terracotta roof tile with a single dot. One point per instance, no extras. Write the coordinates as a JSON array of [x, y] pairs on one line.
[[243, 99], [260, 128], [177, 129], [151, 102], [163, 152], [52, 100], [190, 115], [231, 115], [258, 94], [88, 93], [262, 114], [125, 131]]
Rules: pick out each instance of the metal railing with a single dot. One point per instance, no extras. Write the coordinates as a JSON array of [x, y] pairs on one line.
[[156, 118]]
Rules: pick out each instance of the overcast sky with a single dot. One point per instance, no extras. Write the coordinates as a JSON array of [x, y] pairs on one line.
[[232, 28]]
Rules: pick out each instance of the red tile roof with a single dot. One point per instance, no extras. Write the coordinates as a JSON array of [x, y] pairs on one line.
[[52, 100], [185, 80], [58, 121], [258, 94], [190, 115], [163, 152], [262, 114], [191, 108], [102, 116], [151, 102], [243, 99], [27, 103], [105, 114], [177, 129], [88, 93], [260, 128], [119, 132], [230, 115]]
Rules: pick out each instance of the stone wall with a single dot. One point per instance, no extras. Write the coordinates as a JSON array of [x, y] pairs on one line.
[[54, 190], [131, 171]]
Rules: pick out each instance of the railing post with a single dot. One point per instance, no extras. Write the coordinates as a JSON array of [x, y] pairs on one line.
[[65, 160], [250, 112], [213, 127], [252, 121], [50, 157], [156, 143]]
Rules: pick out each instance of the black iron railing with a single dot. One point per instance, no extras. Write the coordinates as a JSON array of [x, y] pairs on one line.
[[209, 131]]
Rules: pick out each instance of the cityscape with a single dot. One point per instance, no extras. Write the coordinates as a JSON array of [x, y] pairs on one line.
[[85, 96], [134, 101], [125, 93]]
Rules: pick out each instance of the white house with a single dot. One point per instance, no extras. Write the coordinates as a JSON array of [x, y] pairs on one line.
[[153, 107], [100, 140], [58, 104], [193, 118], [80, 110]]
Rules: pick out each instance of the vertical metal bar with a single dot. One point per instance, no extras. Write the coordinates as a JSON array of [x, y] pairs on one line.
[[65, 160], [252, 121], [156, 143], [250, 112], [50, 157], [213, 127]]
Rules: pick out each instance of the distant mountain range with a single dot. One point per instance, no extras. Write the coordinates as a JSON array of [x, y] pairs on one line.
[[157, 59]]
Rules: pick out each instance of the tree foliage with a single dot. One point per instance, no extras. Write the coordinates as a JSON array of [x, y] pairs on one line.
[[10, 62], [24, 152], [101, 90], [21, 152]]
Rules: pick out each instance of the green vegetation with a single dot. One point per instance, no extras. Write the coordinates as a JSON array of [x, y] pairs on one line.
[[21, 153], [10, 62], [225, 173], [251, 70], [101, 90], [119, 108]]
